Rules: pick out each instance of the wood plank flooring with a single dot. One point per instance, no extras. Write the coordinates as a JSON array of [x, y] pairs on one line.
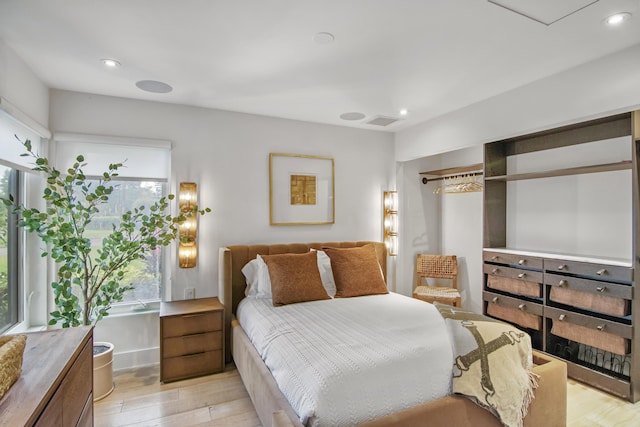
[[221, 400]]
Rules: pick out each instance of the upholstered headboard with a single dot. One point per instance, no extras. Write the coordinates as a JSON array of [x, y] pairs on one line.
[[231, 281]]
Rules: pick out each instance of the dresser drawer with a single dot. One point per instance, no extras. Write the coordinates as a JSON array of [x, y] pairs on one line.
[[601, 297], [514, 273], [522, 313], [190, 344], [514, 286], [587, 269], [189, 324], [524, 261], [209, 362]]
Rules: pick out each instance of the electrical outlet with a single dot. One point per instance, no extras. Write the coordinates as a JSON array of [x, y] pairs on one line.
[[189, 293]]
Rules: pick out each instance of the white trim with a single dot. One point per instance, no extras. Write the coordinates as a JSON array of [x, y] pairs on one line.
[[23, 118], [118, 140]]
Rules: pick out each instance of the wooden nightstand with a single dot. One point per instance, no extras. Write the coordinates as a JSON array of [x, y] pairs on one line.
[[191, 338]]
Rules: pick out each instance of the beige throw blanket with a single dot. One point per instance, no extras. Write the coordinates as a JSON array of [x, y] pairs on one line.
[[492, 364]]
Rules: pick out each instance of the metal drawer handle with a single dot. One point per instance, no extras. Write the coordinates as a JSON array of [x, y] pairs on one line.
[[521, 307], [601, 288], [562, 283], [600, 327], [195, 354], [562, 266], [494, 300], [561, 317], [521, 275], [495, 271], [495, 258], [522, 261], [601, 272]]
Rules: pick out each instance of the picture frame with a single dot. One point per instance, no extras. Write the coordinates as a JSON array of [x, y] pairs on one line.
[[301, 189]]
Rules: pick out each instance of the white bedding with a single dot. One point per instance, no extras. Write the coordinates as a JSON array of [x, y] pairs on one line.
[[344, 361]]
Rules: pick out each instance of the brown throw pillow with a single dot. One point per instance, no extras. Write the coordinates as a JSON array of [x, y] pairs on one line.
[[356, 271], [294, 278]]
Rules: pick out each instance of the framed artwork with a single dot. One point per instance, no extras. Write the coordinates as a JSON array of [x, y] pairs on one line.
[[301, 189]]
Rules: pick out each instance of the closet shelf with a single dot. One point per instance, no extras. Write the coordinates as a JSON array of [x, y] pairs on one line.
[[607, 167], [454, 171]]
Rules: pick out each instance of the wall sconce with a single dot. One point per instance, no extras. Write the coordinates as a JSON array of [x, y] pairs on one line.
[[188, 230], [390, 222]]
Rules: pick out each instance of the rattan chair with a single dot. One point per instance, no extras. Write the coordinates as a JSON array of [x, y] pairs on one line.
[[437, 267]]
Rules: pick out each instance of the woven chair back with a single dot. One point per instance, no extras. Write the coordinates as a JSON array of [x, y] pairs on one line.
[[438, 267]]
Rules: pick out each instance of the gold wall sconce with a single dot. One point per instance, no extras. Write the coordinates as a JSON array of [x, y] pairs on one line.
[[188, 230], [390, 222]]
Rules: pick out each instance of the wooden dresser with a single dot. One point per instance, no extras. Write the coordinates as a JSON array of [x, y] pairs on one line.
[[191, 338], [56, 387]]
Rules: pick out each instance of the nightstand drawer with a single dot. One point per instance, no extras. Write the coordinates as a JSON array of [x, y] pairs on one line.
[[189, 324], [209, 362], [190, 344]]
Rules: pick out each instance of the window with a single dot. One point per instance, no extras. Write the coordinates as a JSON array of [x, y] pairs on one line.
[[141, 181], [146, 275], [8, 252]]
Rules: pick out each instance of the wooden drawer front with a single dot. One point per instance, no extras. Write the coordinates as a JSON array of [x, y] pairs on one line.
[[587, 285], [513, 259], [515, 303], [175, 368], [514, 273], [596, 271], [513, 315], [189, 324], [190, 344], [77, 386], [591, 322], [601, 297], [515, 286]]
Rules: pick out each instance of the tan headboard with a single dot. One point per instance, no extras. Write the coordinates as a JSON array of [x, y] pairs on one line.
[[231, 282]]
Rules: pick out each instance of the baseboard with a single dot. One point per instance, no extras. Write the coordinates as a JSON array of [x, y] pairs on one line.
[[136, 358]]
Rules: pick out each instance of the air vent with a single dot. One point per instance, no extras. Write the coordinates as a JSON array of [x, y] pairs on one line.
[[382, 121]]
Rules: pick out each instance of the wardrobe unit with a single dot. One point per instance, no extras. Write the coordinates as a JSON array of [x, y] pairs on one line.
[[577, 297]]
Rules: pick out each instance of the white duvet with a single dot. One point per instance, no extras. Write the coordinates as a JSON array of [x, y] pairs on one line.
[[344, 361]]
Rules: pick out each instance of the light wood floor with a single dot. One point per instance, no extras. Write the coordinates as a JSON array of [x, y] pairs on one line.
[[221, 400]]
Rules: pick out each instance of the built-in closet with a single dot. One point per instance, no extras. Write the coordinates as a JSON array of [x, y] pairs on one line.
[[561, 244]]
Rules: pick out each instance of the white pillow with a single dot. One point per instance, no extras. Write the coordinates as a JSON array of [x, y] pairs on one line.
[[259, 283], [326, 274]]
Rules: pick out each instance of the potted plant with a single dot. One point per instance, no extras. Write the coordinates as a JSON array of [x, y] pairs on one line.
[[90, 277]]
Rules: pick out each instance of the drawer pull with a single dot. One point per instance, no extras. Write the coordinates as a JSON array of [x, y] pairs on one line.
[[601, 272], [600, 327], [495, 258], [561, 317], [186, 316], [521, 275], [521, 306], [562, 283], [494, 300], [601, 288], [495, 270], [522, 262], [195, 354], [562, 267]]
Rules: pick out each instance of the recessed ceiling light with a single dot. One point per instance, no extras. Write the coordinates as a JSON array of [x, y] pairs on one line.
[[617, 19], [352, 116], [154, 86], [111, 63], [323, 38], [404, 112]]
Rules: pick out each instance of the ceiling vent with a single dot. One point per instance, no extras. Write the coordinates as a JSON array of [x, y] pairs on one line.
[[382, 121]]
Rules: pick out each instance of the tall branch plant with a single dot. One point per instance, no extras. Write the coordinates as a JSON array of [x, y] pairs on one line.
[[89, 283]]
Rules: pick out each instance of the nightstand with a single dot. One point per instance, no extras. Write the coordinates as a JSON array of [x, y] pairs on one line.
[[191, 338]]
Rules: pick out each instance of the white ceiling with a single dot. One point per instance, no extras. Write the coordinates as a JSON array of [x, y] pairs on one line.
[[257, 56]]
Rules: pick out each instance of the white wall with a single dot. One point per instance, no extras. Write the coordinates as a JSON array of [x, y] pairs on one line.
[[227, 154], [448, 224], [596, 89], [20, 86]]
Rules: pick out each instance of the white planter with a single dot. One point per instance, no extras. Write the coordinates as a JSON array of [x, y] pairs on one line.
[[102, 370]]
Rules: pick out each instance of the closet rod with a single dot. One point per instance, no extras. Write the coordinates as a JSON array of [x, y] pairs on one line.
[[426, 180]]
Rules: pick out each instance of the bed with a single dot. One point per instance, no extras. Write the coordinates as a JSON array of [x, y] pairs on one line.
[[548, 408]]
